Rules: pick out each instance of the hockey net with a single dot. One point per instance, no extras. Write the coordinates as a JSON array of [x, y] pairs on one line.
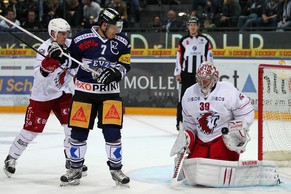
[[274, 113]]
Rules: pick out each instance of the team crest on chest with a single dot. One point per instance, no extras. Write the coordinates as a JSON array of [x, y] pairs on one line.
[[207, 122], [113, 47]]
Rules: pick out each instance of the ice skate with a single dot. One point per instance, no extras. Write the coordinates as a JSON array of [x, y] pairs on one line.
[[9, 166], [84, 168], [72, 177], [120, 178]]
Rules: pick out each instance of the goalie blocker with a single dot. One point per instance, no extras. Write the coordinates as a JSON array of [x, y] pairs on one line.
[[219, 173]]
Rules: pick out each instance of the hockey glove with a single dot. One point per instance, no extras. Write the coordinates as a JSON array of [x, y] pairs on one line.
[[56, 52], [109, 75], [49, 65], [236, 136]]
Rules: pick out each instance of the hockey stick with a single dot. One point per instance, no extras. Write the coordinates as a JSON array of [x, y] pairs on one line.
[[179, 92], [178, 168], [69, 73], [86, 67]]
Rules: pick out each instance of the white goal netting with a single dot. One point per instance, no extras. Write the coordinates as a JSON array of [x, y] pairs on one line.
[[275, 113]]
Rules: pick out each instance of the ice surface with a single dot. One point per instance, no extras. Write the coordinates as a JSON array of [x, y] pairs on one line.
[[147, 141]]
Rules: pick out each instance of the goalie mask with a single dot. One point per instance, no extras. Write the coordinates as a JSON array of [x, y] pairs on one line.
[[58, 25], [206, 77]]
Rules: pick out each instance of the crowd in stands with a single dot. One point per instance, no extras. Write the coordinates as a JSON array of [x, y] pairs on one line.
[[240, 15]]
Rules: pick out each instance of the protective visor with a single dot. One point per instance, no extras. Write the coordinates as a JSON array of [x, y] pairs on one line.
[[119, 26]]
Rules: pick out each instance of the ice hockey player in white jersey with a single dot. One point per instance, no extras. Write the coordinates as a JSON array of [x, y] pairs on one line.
[[208, 106], [216, 121], [51, 92]]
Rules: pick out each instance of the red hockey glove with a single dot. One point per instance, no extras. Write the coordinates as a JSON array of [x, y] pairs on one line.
[[49, 65]]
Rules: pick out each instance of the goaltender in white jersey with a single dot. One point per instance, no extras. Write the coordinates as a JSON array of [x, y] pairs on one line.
[[216, 121]]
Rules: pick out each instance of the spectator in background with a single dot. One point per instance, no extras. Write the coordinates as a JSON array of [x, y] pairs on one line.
[[156, 24], [10, 15], [134, 10], [6, 5], [197, 3], [23, 6], [73, 13], [194, 13], [31, 22], [121, 7], [285, 21], [171, 23], [103, 3], [272, 10], [51, 9], [230, 12], [252, 11], [91, 12], [207, 25]]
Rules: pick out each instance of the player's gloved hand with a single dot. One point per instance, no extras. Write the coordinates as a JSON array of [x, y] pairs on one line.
[[55, 51], [109, 75], [49, 65]]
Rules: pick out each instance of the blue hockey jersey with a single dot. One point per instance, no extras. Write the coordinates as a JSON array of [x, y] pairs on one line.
[[98, 53]]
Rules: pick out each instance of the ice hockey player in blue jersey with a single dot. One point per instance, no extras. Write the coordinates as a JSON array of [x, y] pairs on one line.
[[106, 50]]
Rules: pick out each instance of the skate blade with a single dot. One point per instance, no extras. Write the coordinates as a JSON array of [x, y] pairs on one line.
[[7, 173], [120, 185], [84, 173], [71, 183]]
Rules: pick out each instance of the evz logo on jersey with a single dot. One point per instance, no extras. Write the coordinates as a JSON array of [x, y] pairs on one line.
[[113, 47], [207, 122]]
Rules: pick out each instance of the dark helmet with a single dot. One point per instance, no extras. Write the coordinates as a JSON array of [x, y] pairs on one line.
[[193, 19], [109, 16]]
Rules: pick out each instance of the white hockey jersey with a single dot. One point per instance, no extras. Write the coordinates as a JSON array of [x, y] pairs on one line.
[[52, 86], [206, 117]]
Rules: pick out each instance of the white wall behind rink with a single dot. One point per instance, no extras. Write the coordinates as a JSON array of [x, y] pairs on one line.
[[236, 71]]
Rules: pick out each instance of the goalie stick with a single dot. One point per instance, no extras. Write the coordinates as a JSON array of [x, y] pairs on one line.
[[86, 67], [178, 168]]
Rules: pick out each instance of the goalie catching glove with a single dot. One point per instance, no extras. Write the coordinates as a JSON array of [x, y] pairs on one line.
[[236, 136], [109, 75]]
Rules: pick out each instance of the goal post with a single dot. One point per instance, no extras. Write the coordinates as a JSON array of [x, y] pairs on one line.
[[274, 113]]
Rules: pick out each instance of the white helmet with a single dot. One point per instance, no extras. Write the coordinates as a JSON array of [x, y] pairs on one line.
[[58, 25], [206, 77]]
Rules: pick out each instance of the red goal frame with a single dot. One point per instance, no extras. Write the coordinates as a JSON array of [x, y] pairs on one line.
[[260, 103]]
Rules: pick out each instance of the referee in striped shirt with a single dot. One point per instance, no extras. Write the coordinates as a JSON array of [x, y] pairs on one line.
[[193, 49]]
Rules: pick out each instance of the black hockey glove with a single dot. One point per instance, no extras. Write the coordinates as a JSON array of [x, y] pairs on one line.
[[55, 51], [109, 75]]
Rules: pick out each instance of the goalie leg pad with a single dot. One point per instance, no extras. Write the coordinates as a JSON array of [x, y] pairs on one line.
[[220, 173], [184, 140], [20, 143]]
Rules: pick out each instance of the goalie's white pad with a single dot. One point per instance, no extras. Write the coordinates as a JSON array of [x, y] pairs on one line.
[[184, 140], [221, 173], [236, 136]]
